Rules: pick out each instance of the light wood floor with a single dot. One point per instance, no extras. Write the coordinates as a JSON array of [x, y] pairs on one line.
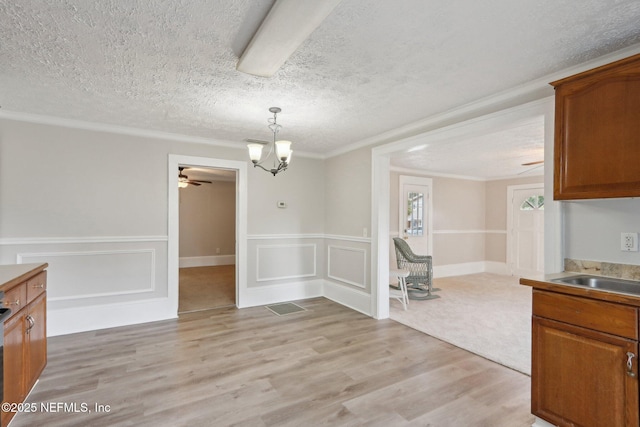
[[204, 288], [328, 365]]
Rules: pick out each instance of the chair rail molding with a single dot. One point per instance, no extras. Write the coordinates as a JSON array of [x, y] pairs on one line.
[[8, 241]]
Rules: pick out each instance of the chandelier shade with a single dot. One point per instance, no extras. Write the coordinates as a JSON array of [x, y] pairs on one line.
[[283, 150], [255, 152]]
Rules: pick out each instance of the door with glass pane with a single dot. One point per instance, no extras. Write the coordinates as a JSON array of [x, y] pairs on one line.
[[527, 230], [415, 213]]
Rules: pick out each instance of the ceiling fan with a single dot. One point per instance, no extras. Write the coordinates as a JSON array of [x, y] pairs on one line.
[[536, 165], [183, 180]]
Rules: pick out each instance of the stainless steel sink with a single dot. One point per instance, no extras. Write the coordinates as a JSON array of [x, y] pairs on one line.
[[604, 283]]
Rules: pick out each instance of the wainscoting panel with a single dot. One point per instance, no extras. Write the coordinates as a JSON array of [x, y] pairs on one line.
[[285, 261], [347, 265], [86, 274]]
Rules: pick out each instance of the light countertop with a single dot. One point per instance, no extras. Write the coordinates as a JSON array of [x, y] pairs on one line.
[[13, 274]]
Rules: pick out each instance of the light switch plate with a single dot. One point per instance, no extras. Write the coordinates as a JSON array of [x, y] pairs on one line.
[[629, 242]]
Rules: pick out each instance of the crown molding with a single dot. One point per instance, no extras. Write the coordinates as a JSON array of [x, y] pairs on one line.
[[130, 131]]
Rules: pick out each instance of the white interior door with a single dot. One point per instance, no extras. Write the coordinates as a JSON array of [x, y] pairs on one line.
[[415, 213], [526, 230]]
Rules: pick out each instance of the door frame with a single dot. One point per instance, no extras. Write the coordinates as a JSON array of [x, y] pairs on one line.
[[381, 165], [173, 252], [510, 206]]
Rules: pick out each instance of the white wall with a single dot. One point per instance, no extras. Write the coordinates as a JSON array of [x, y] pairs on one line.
[[593, 227], [208, 224], [348, 229], [470, 222], [94, 205]]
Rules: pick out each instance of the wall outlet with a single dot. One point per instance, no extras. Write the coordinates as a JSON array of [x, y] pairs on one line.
[[629, 242], [365, 232], [217, 250]]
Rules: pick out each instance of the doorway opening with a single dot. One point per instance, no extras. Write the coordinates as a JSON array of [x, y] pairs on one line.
[[207, 221], [238, 170]]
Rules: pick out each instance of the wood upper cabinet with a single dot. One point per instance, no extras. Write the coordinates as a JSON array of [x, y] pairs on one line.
[[582, 376], [597, 132]]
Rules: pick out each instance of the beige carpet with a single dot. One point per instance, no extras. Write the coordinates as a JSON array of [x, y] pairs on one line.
[[487, 314], [203, 288]]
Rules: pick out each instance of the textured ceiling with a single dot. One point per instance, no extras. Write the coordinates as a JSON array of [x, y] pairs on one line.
[[492, 155], [372, 66]]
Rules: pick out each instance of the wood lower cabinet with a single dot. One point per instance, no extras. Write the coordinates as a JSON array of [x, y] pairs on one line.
[[14, 362], [582, 375], [25, 339], [36, 339]]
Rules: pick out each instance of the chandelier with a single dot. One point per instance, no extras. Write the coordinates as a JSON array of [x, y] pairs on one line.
[[282, 148]]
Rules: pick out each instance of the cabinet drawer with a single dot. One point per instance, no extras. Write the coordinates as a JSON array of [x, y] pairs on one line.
[[616, 319], [15, 298], [36, 285]]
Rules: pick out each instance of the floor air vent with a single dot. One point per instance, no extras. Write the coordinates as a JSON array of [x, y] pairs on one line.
[[284, 309]]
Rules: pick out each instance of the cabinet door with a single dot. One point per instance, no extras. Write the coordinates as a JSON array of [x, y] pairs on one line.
[[580, 377], [36, 335], [13, 349], [597, 138]]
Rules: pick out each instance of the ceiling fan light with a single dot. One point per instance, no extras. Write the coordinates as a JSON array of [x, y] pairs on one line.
[[283, 150], [182, 184], [255, 152]]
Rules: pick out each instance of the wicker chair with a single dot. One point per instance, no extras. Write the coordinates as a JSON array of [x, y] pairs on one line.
[[419, 282]]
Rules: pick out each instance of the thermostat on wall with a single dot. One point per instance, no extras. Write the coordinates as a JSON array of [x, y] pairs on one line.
[[282, 205]]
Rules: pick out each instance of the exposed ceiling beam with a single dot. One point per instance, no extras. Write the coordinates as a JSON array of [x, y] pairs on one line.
[[286, 26]]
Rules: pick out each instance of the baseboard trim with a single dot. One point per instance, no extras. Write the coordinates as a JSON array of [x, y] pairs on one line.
[[458, 269], [470, 268], [496, 268], [353, 298], [263, 295], [207, 261], [91, 318]]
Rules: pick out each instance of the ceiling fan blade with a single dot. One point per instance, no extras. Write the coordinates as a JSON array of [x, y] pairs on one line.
[[537, 162], [193, 183], [198, 180], [539, 165]]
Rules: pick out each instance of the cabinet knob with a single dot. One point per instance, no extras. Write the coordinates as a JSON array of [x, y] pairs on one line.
[[630, 357], [8, 303]]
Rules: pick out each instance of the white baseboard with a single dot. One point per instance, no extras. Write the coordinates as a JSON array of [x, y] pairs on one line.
[[206, 261], [458, 269], [470, 268], [496, 268], [91, 318], [349, 297], [263, 295]]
